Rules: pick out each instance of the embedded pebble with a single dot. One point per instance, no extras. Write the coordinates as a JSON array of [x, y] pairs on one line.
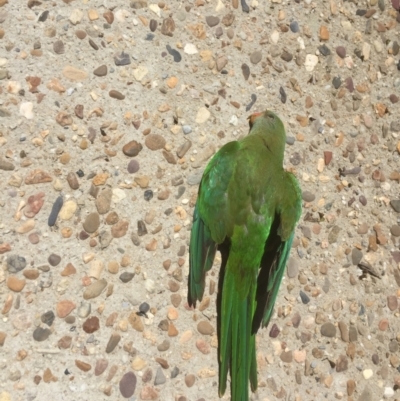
[[15, 263], [328, 330], [127, 384]]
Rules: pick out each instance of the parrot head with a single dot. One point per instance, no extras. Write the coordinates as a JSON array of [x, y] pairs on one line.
[[253, 118]]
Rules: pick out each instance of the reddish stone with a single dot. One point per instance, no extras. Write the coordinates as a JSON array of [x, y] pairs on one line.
[[37, 176], [327, 157], [91, 324], [35, 203], [6, 247]]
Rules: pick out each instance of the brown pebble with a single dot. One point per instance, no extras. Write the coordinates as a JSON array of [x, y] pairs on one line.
[[64, 119], [309, 102], [34, 238], [34, 204], [169, 157], [172, 330], [351, 386], [111, 319], [113, 342], [383, 324], [163, 362], [395, 230], [79, 111], [392, 302], [116, 94], [132, 148], [64, 308], [148, 393], [72, 180], [136, 322], [64, 342], [153, 25], [58, 47], [80, 34], [351, 350], [189, 380], [370, 13], [119, 229], [342, 363], [91, 325], [108, 16], [15, 284], [203, 346], [323, 33], [341, 51], [173, 286], [100, 71], [31, 274], [168, 26], [85, 367], [327, 157], [37, 176], [344, 331], [100, 367], [48, 376], [91, 223], [286, 356], [127, 384], [3, 336], [205, 327], [176, 299], [155, 141], [69, 269]]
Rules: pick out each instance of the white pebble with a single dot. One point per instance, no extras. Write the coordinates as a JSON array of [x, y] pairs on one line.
[[202, 115], [220, 6], [300, 41], [156, 10], [26, 110], [118, 195], [149, 285], [233, 121], [378, 45], [389, 392], [120, 15], [140, 72], [368, 373], [76, 16], [366, 50], [275, 37], [311, 62], [13, 87], [190, 48]]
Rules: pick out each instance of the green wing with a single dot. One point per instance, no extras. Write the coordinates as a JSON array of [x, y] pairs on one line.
[[212, 207], [276, 251]]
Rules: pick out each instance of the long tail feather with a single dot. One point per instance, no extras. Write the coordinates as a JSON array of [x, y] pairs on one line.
[[237, 344]]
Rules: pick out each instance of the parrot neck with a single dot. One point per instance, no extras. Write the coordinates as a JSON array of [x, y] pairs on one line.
[[273, 138]]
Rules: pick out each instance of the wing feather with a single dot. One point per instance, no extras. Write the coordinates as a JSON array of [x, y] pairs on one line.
[[211, 223]]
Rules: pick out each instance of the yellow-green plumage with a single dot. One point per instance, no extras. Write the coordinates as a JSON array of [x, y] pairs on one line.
[[247, 208]]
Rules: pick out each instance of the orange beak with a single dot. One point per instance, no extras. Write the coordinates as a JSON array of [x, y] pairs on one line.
[[253, 117]]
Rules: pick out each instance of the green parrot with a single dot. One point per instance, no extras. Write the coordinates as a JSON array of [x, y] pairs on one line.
[[247, 208]]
